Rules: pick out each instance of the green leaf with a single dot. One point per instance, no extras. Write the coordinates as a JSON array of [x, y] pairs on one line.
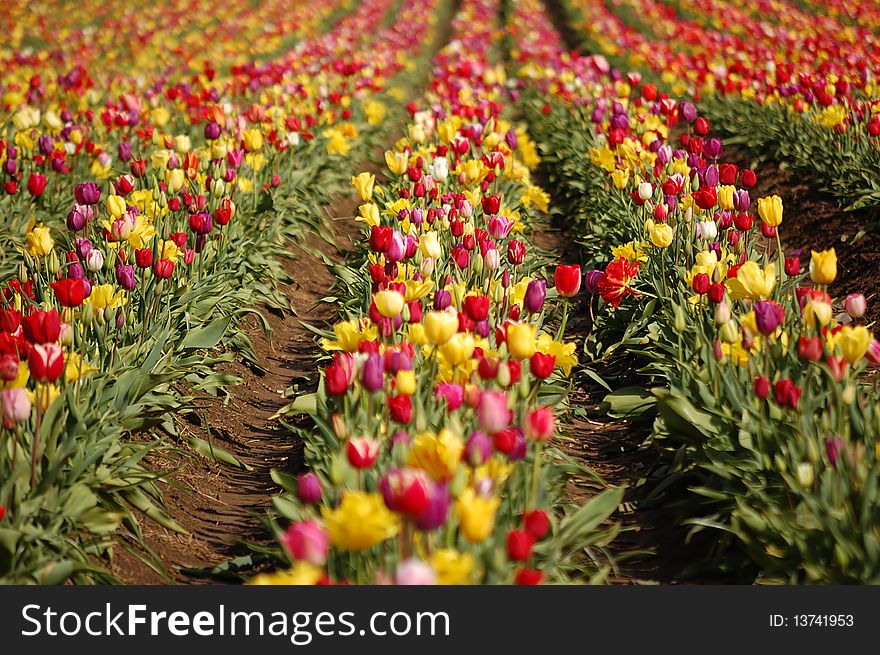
[[208, 336]]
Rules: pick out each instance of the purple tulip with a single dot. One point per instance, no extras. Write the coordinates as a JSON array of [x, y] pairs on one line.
[[308, 488], [712, 148], [478, 449], [87, 193], [125, 150], [687, 111], [832, 449], [442, 299], [435, 514], [125, 276], [83, 248], [710, 177], [591, 281], [212, 131], [371, 373], [741, 200], [511, 139], [768, 316], [535, 295]]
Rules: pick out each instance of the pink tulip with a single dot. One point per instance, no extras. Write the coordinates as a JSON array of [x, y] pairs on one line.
[[307, 541]]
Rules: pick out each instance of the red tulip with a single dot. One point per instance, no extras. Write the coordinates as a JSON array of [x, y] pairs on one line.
[[143, 257], [476, 307], [46, 362], [567, 278], [810, 348], [400, 408], [163, 269], [42, 326], [528, 577], [36, 184], [749, 179], [536, 523], [700, 283], [761, 387], [69, 292], [541, 365], [362, 452], [9, 320], [519, 545]]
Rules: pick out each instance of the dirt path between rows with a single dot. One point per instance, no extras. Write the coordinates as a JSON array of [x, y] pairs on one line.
[[221, 505]]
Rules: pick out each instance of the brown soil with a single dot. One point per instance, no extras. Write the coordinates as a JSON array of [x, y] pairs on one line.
[[218, 504]]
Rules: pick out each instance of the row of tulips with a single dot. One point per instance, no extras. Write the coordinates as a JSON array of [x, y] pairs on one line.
[[755, 377], [803, 90], [122, 281], [432, 448]]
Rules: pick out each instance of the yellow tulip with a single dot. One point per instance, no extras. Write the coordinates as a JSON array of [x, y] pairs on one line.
[[374, 111], [416, 334], [620, 178], [116, 205], [440, 326], [39, 241], [521, 340], [364, 182], [816, 312], [853, 342], [396, 161], [437, 455], [369, 214], [174, 180], [752, 281], [661, 234], [301, 573], [453, 567], [360, 522], [389, 303], [476, 515], [823, 266], [405, 381], [770, 210], [182, 143], [429, 244], [253, 139], [725, 196], [458, 349]]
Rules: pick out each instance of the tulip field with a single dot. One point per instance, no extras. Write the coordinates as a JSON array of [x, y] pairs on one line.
[[439, 292]]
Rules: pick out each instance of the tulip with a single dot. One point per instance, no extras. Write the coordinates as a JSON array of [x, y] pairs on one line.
[[768, 316], [519, 545], [707, 230], [435, 515], [46, 362], [36, 184], [567, 279], [16, 405], [792, 266], [786, 393], [810, 349], [163, 269], [364, 182], [42, 326], [308, 488], [69, 292], [440, 326], [307, 541], [823, 266], [453, 394], [406, 491], [873, 353], [700, 283], [372, 377], [536, 523], [516, 252], [10, 319], [362, 452], [39, 241], [478, 448], [521, 340], [855, 305], [493, 414], [476, 307], [541, 365], [761, 387], [770, 210], [415, 572], [476, 515], [143, 257], [854, 342], [536, 292], [389, 303], [540, 424], [832, 449]]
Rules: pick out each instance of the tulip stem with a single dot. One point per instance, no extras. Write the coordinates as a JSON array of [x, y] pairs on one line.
[[36, 435], [562, 325]]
